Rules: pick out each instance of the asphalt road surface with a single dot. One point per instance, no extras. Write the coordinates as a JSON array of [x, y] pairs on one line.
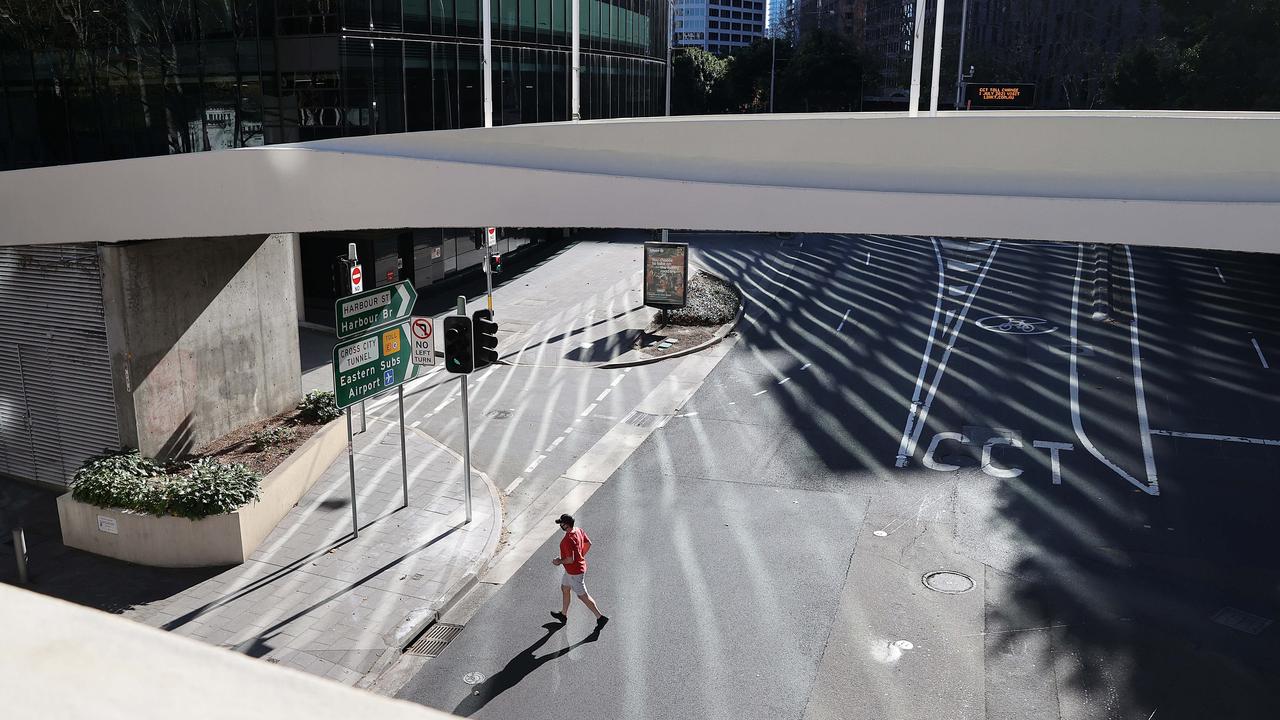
[[1103, 489]]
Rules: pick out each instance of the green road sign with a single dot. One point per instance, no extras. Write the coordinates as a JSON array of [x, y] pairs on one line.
[[371, 309], [371, 364]]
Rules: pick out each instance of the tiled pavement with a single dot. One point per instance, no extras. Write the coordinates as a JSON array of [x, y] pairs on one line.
[[313, 597]]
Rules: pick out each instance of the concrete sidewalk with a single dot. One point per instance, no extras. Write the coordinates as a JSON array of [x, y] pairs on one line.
[[314, 597]]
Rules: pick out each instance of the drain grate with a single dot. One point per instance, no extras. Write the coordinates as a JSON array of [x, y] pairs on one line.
[[1240, 620], [948, 581], [433, 640], [644, 419]]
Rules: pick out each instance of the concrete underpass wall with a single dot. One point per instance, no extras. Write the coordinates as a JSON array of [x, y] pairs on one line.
[[203, 335]]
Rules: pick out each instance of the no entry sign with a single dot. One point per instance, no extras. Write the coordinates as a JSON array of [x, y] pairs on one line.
[[357, 279], [422, 341]]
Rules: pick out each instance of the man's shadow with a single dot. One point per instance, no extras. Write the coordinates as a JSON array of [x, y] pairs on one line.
[[517, 669]]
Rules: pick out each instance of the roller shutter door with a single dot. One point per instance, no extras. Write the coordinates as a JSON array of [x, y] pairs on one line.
[[57, 406]]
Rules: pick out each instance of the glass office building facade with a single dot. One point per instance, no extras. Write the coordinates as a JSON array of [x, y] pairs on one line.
[[128, 78]]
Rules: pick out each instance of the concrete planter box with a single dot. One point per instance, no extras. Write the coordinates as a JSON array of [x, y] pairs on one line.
[[227, 539]]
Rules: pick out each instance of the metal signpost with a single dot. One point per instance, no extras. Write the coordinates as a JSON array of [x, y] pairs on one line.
[[491, 241], [366, 366]]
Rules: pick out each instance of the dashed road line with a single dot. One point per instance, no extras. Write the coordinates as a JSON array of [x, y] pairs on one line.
[[784, 380], [842, 321], [514, 484], [604, 394], [1261, 357], [1224, 280], [535, 463], [589, 410], [759, 393], [554, 443]]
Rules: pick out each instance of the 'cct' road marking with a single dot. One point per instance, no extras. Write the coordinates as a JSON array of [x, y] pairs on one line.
[[988, 465]]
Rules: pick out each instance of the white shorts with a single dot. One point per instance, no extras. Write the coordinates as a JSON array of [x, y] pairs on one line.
[[576, 583]]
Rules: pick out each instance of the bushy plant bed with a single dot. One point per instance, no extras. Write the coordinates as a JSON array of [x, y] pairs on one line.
[[220, 477], [128, 481]]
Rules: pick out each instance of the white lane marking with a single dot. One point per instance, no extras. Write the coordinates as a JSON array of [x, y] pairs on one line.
[[805, 366], [569, 429], [841, 325], [759, 393], [1261, 357], [1221, 438], [958, 289], [1055, 463], [1144, 425], [587, 412], [1076, 422], [784, 381], [415, 423], [963, 266], [1224, 280], [604, 394], [868, 262], [932, 464], [616, 381], [904, 452], [514, 484], [554, 443], [534, 464]]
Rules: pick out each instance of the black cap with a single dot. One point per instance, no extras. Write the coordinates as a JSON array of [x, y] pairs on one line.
[[565, 518]]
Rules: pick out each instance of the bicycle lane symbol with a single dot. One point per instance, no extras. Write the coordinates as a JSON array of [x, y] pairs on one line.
[[1016, 324]]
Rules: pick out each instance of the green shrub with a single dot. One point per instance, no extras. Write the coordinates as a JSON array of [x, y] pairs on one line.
[[319, 406], [121, 479], [128, 481], [271, 437], [211, 488]]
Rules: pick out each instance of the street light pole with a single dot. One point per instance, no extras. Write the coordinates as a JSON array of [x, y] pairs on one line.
[[671, 36], [938, 22], [486, 60], [773, 62], [575, 99], [964, 23], [913, 109]]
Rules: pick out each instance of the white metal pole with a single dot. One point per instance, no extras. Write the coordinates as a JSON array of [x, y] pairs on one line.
[[671, 36], [486, 61], [351, 467], [466, 428], [938, 23], [917, 39], [964, 22], [773, 62], [575, 111], [404, 458]]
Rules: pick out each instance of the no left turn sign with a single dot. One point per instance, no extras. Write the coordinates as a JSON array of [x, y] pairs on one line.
[[422, 345]]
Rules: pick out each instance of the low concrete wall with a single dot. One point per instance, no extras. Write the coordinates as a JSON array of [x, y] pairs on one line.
[[227, 539]]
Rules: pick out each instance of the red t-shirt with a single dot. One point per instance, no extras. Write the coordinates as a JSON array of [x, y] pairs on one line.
[[573, 551]]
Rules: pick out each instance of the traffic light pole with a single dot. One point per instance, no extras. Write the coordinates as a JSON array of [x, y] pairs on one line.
[[466, 428]]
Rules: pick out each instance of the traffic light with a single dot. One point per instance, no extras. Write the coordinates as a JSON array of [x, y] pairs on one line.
[[495, 264], [486, 338], [458, 357]]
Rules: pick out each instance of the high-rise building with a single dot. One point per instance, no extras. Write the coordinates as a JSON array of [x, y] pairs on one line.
[[718, 26], [775, 23], [1067, 48], [128, 78]]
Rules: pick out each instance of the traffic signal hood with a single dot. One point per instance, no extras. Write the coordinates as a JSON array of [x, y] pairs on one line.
[[459, 354], [486, 338], [495, 264]]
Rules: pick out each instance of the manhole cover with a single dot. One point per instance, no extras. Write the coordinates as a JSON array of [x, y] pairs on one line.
[[433, 641], [500, 414], [948, 581], [473, 678]]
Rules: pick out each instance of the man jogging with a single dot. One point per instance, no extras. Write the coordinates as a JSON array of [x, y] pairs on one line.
[[573, 558]]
